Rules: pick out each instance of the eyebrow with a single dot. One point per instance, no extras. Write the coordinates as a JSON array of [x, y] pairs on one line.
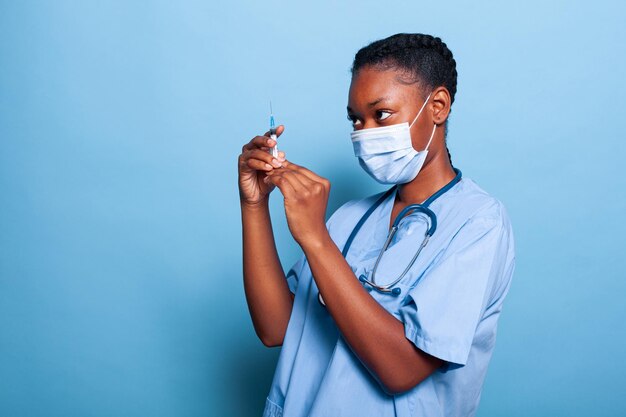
[[372, 104], [378, 100]]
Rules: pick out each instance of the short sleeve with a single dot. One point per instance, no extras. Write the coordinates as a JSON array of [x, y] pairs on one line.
[[294, 274], [442, 311]]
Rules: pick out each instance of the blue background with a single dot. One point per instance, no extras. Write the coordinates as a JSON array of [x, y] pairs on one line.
[[120, 125]]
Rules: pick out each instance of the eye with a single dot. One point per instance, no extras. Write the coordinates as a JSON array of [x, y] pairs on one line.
[[382, 114], [354, 120]]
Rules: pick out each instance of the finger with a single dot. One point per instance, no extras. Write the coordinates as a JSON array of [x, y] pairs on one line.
[[258, 142], [297, 181], [260, 155], [257, 165], [318, 183], [302, 170], [279, 131], [283, 185], [281, 154], [306, 182], [313, 186]]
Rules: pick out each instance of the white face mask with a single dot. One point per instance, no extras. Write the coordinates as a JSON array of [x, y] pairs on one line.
[[387, 153]]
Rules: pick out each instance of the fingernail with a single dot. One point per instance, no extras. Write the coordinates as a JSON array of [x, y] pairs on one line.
[[268, 166], [276, 163]]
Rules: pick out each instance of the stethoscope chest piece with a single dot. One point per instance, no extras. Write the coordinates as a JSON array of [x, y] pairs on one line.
[[369, 287], [381, 289]]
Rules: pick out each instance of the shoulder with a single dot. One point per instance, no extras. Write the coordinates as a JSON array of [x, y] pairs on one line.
[[468, 216], [473, 220], [474, 204]]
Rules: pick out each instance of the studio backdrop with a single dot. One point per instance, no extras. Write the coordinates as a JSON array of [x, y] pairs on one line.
[[120, 238]]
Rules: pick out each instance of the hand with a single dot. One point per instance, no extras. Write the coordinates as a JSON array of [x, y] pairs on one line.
[[254, 164], [306, 199]]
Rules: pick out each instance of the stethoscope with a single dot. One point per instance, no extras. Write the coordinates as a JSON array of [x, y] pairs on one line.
[[412, 208]]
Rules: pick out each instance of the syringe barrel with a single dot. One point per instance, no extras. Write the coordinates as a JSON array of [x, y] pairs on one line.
[[274, 150]]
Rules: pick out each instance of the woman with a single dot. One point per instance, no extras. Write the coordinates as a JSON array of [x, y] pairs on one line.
[[395, 336]]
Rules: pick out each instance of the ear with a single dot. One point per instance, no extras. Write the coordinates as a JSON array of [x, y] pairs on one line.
[[440, 105]]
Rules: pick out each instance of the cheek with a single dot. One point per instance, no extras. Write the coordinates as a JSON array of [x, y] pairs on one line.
[[421, 134]]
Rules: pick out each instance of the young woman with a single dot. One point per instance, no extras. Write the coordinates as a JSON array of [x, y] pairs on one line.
[[392, 309]]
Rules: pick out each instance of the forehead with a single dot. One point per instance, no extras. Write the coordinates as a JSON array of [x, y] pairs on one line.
[[370, 84]]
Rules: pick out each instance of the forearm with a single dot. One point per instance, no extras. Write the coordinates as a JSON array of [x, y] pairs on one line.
[[267, 293], [374, 335]]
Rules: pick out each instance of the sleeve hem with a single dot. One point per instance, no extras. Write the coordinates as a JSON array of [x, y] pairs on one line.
[[292, 283], [433, 349]]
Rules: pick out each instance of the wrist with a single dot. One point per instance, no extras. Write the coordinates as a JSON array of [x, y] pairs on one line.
[[314, 242], [261, 205]]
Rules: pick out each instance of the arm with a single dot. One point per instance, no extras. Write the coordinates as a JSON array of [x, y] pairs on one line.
[[267, 293], [268, 296], [375, 336]]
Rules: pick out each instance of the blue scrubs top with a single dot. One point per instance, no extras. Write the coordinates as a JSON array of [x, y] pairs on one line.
[[449, 303]]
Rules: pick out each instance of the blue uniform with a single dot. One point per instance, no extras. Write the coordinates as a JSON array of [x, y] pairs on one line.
[[450, 302]]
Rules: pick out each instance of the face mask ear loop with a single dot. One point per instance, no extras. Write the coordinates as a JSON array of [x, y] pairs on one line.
[[420, 112], [432, 135]]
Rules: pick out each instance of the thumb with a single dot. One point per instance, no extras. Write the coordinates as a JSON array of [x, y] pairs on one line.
[[279, 131]]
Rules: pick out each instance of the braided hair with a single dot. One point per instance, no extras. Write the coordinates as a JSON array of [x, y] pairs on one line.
[[424, 60]]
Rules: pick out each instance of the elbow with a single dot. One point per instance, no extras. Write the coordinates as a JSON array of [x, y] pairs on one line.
[[397, 387], [270, 340], [407, 374], [398, 383], [271, 335]]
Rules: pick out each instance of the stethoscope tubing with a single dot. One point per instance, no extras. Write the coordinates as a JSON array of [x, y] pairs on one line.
[[430, 231]]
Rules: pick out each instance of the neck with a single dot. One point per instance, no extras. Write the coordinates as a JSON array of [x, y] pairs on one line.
[[430, 179]]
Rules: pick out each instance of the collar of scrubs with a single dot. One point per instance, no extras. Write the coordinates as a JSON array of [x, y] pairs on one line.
[[383, 197]]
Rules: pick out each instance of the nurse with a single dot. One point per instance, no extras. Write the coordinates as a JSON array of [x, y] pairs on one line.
[[350, 348]]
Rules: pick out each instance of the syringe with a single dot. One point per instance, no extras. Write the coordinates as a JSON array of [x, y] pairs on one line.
[[273, 150]]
